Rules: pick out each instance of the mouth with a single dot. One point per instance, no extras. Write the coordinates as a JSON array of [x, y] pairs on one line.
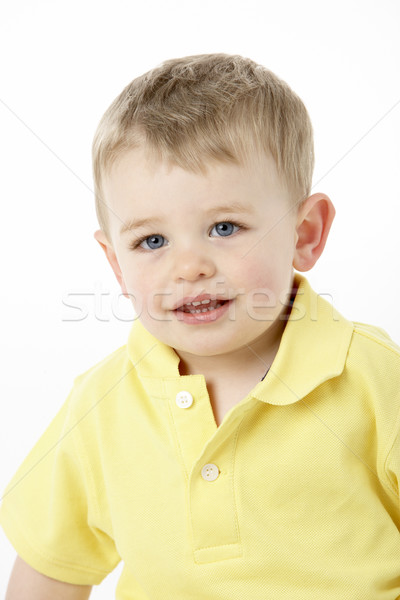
[[202, 310], [201, 306]]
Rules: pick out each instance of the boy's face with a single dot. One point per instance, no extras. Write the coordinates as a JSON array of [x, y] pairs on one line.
[[228, 236]]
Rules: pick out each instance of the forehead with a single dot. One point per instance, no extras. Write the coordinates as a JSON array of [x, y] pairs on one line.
[[139, 167], [138, 184]]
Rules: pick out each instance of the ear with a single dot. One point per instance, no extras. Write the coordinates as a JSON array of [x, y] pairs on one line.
[[313, 225], [101, 237]]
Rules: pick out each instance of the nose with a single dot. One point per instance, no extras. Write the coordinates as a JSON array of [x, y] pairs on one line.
[[190, 265]]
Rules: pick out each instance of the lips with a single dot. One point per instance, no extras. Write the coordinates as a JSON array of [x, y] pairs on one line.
[[200, 304], [203, 306], [197, 313]]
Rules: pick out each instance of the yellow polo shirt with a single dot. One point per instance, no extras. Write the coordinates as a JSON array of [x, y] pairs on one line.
[[294, 497]]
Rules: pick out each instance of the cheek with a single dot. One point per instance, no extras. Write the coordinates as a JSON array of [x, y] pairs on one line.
[[264, 282], [146, 293], [253, 272], [138, 285]]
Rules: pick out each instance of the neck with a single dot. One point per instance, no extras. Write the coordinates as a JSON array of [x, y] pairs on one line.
[[254, 359]]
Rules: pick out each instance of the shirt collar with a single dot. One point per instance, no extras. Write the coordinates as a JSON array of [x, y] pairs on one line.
[[313, 349]]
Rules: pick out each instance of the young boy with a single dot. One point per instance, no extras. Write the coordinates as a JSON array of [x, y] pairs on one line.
[[245, 443]]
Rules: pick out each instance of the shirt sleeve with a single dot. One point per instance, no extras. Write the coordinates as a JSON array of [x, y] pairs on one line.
[[49, 514], [393, 471]]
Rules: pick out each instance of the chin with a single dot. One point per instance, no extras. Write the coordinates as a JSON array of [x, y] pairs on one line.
[[208, 349]]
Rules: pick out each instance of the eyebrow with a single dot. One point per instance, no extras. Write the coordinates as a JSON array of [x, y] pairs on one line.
[[232, 208], [137, 223]]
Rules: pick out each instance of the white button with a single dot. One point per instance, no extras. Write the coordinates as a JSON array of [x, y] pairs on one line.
[[184, 399], [210, 472]]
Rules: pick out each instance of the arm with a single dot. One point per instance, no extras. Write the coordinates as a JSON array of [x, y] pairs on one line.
[[27, 584]]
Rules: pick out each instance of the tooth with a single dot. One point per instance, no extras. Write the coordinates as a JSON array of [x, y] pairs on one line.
[[206, 301], [195, 303]]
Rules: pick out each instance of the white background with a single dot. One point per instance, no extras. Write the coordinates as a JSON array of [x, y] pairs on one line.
[[64, 62]]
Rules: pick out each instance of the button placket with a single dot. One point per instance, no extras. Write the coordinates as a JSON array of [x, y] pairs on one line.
[[192, 425], [212, 506]]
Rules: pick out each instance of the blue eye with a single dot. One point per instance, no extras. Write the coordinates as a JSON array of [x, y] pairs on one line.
[[153, 242], [225, 228]]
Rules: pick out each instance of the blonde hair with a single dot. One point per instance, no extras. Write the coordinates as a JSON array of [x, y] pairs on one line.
[[197, 109]]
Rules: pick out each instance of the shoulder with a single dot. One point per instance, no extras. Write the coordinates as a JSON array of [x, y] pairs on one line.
[[372, 371], [374, 354], [104, 380], [376, 339], [111, 364]]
